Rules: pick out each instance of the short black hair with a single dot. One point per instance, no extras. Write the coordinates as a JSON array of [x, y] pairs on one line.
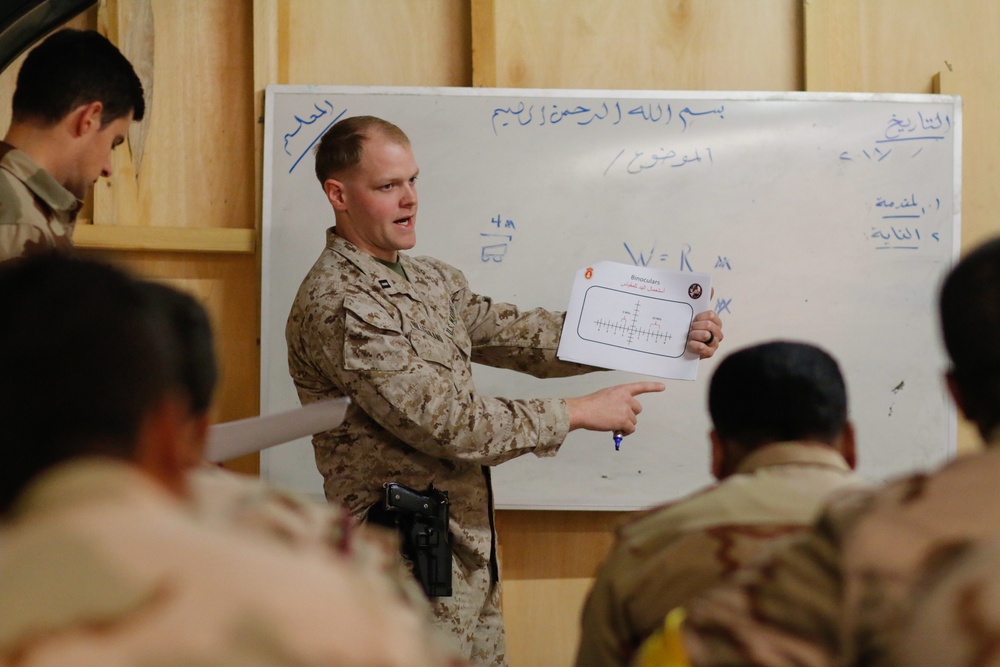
[[778, 391], [75, 67], [970, 325], [84, 357], [191, 326]]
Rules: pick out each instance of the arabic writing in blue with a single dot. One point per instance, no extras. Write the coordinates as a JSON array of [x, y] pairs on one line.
[[893, 237], [293, 142], [642, 161], [907, 207], [930, 126], [614, 112], [916, 130]]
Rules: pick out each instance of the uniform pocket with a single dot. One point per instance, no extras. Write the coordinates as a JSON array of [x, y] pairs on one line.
[[373, 339]]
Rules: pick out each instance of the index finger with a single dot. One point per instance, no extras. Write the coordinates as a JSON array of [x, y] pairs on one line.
[[637, 388]]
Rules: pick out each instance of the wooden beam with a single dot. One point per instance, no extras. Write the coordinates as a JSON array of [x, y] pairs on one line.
[[484, 43], [832, 45], [166, 239]]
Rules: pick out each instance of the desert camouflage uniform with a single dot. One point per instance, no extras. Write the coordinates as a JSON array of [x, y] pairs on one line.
[[834, 595], [99, 565], [36, 212], [402, 350], [954, 616], [675, 551]]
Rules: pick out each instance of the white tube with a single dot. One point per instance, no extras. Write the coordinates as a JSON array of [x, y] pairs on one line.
[[245, 436]]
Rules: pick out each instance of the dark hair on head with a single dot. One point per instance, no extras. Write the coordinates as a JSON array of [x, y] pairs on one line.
[[72, 68], [84, 357], [197, 371], [778, 391], [341, 145], [970, 326]]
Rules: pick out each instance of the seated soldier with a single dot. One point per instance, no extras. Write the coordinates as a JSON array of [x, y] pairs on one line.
[[836, 594], [781, 443], [101, 562]]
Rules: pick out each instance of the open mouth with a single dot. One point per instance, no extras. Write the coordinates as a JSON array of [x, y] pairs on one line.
[[404, 221]]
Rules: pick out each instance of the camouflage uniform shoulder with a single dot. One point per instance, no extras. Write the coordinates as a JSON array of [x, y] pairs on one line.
[[448, 273], [953, 612]]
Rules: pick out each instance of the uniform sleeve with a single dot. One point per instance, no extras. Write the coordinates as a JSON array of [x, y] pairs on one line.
[[604, 637], [17, 240], [503, 336], [786, 610], [413, 386]]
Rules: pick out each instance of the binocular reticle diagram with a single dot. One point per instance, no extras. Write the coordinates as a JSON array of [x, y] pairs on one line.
[[634, 322]]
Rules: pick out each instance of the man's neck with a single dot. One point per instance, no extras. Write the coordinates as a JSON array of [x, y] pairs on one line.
[[40, 144]]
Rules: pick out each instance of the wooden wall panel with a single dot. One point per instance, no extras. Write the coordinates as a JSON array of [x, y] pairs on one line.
[[198, 164], [197, 171], [374, 42], [226, 285], [672, 45], [548, 562]]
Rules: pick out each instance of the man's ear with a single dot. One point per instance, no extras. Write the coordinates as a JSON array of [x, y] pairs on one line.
[[85, 118], [718, 454], [848, 446], [956, 393], [162, 451], [197, 438], [335, 194]]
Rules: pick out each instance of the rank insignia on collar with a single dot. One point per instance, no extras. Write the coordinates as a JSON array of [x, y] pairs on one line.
[[384, 283]]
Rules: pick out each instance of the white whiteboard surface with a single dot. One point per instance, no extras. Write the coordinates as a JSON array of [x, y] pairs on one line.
[[829, 218]]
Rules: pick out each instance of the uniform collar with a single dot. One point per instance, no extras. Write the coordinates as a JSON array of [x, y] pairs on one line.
[[387, 279], [85, 481], [41, 183], [792, 453]]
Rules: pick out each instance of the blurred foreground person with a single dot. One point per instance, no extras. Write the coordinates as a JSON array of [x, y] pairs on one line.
[[101, 562]]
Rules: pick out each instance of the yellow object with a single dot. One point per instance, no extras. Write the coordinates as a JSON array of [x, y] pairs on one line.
[[664, 648]]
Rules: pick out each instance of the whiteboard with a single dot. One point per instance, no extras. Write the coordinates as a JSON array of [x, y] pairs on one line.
[[828, 218]]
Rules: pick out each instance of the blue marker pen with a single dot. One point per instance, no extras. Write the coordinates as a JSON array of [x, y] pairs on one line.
[[618, 439]]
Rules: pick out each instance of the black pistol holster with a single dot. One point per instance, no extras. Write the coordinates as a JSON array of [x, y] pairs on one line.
[[422, 522]]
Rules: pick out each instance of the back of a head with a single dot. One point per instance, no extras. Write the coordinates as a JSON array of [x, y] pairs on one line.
[[342, 145], [72, 68], [970, 325], [778, 391], [84, 357], [198, 371]]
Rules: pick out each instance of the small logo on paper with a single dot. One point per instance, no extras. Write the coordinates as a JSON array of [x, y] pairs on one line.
[[589, 273], [694, 291]]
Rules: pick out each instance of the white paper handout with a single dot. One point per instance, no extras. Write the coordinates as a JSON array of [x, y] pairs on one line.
[[633, 318]]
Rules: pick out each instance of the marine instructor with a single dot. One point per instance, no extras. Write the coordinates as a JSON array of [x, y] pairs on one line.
[[398, 335]]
